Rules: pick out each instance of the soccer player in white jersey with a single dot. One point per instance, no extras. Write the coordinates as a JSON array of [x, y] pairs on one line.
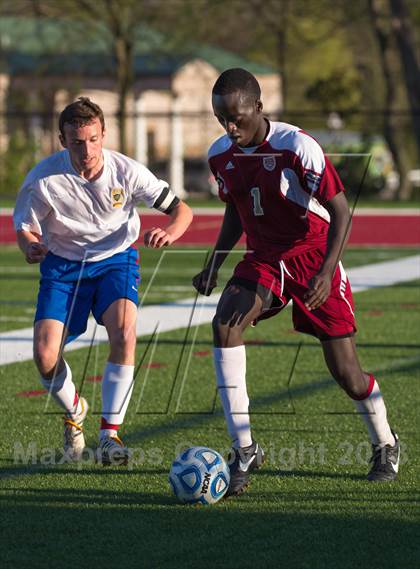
[[76, 215], [285, 195]]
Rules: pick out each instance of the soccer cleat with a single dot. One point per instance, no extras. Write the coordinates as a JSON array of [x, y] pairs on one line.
[[385, 462], [242, 461], [74, 440], [111, 451]]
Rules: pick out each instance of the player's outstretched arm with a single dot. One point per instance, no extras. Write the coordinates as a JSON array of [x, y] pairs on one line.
[[229, 235], [340, 222], [31, 246], [181, 217]]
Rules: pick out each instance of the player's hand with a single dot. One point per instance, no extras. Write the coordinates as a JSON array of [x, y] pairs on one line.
[[318, 291], [205, 282], [157, 237], [35, 252]]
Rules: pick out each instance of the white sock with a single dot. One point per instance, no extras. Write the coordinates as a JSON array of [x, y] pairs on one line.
[[230, 365], [373, 412], [117, 387], [63, 390]]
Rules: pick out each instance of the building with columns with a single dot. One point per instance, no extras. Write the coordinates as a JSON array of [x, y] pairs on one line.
[[170, 114]]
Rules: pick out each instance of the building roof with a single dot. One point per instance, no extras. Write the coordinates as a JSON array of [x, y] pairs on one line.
[[45, 46]]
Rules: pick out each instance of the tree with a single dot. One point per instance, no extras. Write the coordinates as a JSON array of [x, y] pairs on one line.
[[405, 40], [394, 132], [356, 58], [118, 22]]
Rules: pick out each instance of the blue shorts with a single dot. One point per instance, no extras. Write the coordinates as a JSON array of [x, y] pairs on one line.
[[70, 290]]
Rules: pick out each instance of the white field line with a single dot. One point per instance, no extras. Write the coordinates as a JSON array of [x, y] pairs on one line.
[[16, 345]]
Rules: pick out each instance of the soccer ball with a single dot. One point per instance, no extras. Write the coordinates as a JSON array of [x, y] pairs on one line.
[[199, 475]]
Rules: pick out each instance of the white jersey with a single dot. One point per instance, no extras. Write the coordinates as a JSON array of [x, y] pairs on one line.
[[83, 220]]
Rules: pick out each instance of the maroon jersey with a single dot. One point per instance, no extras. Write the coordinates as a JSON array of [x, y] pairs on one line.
[[278, 189]]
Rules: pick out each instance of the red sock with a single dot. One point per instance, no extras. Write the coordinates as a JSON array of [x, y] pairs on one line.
[[108, 429]]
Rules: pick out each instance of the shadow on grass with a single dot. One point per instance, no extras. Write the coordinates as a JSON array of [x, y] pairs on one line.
[[275, 344], [82, 496], [180, 421], [74, 470], [136, 529], [310, 474], [98, 470]]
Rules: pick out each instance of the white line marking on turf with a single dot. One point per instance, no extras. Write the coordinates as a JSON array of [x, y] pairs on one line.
[[16, 345], [386, 273]]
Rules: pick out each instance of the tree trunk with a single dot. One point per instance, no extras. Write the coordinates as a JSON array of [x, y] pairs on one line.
[[124, 60], [281, 36], [274, 14], [410, 64], [391, 124]]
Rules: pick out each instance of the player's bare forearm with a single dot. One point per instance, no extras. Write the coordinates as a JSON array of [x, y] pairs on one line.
[[338, 233], [181, 217], [229, 235], [319, 286], [31, 246]]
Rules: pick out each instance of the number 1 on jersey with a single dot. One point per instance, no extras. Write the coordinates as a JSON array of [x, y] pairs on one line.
[[256, 196]]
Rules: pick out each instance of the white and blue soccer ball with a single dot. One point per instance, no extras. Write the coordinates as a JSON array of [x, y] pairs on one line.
[[199, 475]]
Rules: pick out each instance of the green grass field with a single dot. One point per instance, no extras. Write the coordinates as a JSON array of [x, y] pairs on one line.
[[308, 507], [205, 201]]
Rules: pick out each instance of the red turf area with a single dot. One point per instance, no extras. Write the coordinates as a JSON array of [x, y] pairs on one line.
[[392, 228]]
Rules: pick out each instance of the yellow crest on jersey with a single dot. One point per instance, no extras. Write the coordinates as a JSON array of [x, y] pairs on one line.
[[117, 197]]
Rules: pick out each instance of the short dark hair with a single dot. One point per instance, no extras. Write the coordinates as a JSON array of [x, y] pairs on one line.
[[237, 79], [79, 113]]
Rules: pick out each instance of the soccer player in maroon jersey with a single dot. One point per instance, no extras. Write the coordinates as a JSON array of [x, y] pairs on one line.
[[286, 196]]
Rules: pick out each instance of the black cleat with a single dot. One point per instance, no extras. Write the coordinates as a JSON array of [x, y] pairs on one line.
[[385, 462], [242, 461]]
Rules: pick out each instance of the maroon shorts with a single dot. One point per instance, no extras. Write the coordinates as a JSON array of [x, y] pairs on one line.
[[288, 280]]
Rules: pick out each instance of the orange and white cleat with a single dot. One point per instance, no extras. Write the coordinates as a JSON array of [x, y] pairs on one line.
[[112, 451], [74, 440]]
